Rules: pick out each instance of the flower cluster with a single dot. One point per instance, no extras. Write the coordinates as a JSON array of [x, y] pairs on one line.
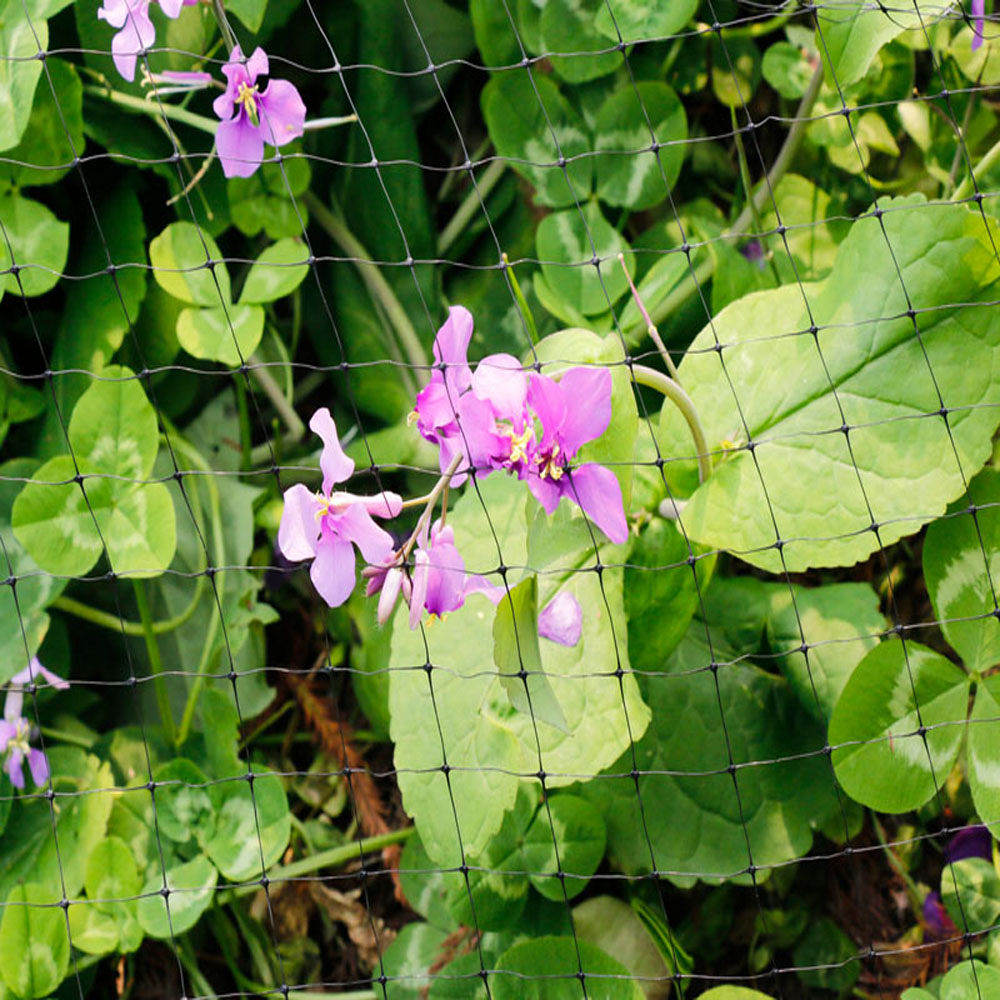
[[494, 418], [250, 116], [16, 730]]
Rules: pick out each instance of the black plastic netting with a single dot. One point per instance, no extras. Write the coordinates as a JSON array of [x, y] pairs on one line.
[[499, 499]]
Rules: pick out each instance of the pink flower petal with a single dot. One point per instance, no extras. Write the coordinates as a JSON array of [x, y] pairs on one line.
[[336, 466], [451, 347], [282, 113], [240, 146], [298, 532], [548, 401], [390, 594], [136, 35], [172, 8], [333, 571], [39, 767], [561, 620], [587, 392], [356, 525], [257, 64], [596, 490], [13, 768], [500, 379], [385, 504]]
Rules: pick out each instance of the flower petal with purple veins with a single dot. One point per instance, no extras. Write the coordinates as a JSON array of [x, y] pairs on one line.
[[333, 571], [596, 490], [587, 392], [561, 620], [336, 466]]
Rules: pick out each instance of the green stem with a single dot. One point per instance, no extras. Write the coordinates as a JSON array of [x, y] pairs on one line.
[[155, 109], [470, 205], [956, 161], [673, 391], [522, 302], [916, 900], [377, 286], [432, 498], [242, 407], [296, 429], [225, 29], [779, 168], [758, 226], [106, 620], [989, 160], [202, 987], [71, 738], [335, 857], [155, 663], [756, 29]]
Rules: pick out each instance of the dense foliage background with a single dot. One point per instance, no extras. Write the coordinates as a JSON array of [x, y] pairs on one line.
[[766, 754]]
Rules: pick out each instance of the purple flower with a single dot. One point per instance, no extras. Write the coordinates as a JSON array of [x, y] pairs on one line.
[[978, 14], [251, 118], [135, 30], [326, 526], [939, 925], [573, 411], [440, 583], [561, 620], [969, 842], [15, 730], [754, 252], [388, 580]]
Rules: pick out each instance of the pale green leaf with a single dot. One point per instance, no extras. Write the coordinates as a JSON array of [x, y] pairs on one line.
[[228, 335], [40, 243], [180, 256], [190, 888], [643, 20], [277, 272], [34, 946], [21, 38]]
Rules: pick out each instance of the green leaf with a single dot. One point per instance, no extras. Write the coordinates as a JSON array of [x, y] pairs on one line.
[[574, 827], [496, 36], [532, 125], [735, 72], [179, 256], [970, 979], [250, 12], [477, 722], [643, 20], [630, 175], [839, 622], [277, 272], [267, 200], [190, 889], [34, 947], [547, 968], [113, 434], [108, 919], [970, 890], [983, 752], [804, 209], [228, 335], [888, 451], [407, 961], [40, 243], [787, 69], [962, 569], [827, 957], [29, 843], [23, 34], [692, 821], [571, 27], [252, 825], [734, 993], [850, 35], [516, 654], [567, 243], [879, 756], [54, 135], [183, 807]]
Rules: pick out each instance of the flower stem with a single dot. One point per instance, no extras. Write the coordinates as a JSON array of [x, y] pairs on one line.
[[470, 205], [989, 160], [335, 857], [296, 429], [432, 497], [106, 620], [377, 286], [652, 332], [158, 110], [225, 28], [522, 302], [155, 663], [673, 391]]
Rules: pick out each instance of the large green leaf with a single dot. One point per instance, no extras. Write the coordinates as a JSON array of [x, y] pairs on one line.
[[108, 919], [532, 125], [970, 889], [570, 33], [983, 751], [40, 243], [574, 828], [695, 821], [548, 968], [24, 33], [867, 369], [469, 721], [277, 272], [643, 20], [54, 135], [34, 946], [962, 570], [66, 525], [189, 890], [227, 334], [180, 258], [881, 756], [630, 174]]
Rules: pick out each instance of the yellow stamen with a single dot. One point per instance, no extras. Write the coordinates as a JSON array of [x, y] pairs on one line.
[[551, 469], [519, 444], [248, 97], [412, 417]]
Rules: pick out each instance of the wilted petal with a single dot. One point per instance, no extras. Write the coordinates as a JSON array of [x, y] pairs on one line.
[[596, 490], [39, 767], [282, 113], [587, 392], [390, 594], [561, 620], [240, 146], [356, 525], [451, 347], [500, 379], [299, 530], [939, 924], [336, 466], [333, 571]]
